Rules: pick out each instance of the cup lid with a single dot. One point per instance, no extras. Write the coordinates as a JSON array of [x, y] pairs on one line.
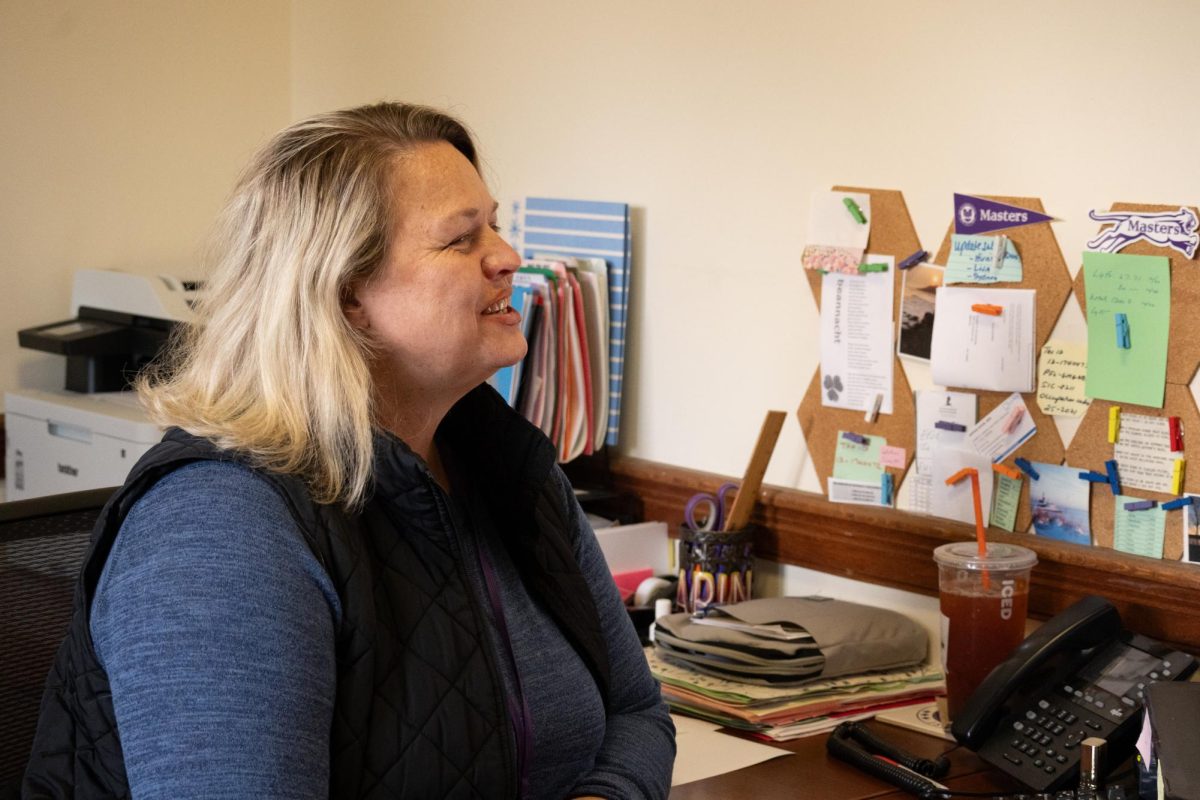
[[965, 555]]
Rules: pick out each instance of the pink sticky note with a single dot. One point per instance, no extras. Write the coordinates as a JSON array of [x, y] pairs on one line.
[[890, 456]]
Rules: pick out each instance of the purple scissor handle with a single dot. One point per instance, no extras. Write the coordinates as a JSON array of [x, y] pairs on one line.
[[705, 511]]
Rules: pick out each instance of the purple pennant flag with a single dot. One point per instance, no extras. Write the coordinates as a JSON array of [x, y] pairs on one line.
[[977, 215]]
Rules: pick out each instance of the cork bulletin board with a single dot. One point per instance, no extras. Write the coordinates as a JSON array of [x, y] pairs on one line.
[[892, 234]]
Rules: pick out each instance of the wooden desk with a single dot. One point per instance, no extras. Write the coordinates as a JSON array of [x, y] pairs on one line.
[[813, 774]]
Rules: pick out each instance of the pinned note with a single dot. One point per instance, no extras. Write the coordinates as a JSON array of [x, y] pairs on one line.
[[1143, 453], [890, 456], [857, 461], [1006, 428], [1062, 373], [1139, 532], [1140, 288], [856, 340], [983, 259], [836, 237], [1005, 502]]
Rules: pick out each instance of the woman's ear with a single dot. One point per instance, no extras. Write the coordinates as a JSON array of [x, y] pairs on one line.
[[353, 308]]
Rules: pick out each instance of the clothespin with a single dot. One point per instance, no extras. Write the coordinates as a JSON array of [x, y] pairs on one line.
[[1027, 468], [1004, 469], [1141, 505], [880, 267], [1014, 419], [873, 409], [854, 210], [850, 436], [1177, 477], [1094, 477], [913, 260], [1176, 434], [1114, 424], [1122, 323], [885, 486], [987, 308], [950, 426], [1114, 480], [1178, 503]]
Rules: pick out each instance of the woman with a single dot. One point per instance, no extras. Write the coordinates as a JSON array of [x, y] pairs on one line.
[[350, 569]]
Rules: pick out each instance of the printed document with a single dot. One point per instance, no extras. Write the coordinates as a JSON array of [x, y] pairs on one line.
[[974, 350], [856, 338]]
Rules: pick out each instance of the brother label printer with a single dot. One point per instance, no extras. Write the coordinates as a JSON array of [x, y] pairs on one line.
[[90, 434]]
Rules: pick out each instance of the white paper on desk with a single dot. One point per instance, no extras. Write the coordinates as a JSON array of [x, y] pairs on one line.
[[703, 751], [979, 351], [1007, 427], [1143, 453], [859, 493], [935, 407], [956, 501], [856, 338]]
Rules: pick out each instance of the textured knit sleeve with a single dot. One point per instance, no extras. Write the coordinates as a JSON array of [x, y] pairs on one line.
[[215, 624], [638, 752]]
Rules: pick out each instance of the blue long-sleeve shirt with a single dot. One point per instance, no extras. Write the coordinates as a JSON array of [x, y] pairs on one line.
[[215, 624]]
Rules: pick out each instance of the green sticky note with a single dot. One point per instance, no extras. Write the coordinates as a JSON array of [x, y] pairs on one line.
[[1138, 532], [1005, 502], [858, 462], [1140, 288]]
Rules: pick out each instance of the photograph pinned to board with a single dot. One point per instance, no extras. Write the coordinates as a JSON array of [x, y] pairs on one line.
[[856, 338], [1143, 453], [1062, 373], [983, 259], [1058, 500], [1001, 432], [1139, 532], [1191, 530], [839, 224], [984, 339], [918, 305], [1138, 287]]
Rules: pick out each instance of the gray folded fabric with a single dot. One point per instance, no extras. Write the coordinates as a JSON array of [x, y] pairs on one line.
[[848, 637]]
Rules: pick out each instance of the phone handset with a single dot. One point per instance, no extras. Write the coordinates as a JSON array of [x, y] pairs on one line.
[[1090, 622]]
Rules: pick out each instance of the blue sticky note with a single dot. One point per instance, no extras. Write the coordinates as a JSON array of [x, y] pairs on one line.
[[980, 259]]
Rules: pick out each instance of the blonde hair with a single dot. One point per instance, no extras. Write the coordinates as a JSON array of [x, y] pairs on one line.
[[272, 369]]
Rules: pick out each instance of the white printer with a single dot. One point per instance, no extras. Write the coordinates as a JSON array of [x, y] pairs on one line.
[[90, 434]]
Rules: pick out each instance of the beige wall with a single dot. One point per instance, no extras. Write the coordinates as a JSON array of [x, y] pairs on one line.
[[125, 123], [718, 119]]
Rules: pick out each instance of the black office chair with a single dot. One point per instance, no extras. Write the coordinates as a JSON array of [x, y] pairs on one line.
[[42, 545]]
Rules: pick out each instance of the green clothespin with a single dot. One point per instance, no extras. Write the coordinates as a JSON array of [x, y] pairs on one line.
[[854, 210], [872, 267]]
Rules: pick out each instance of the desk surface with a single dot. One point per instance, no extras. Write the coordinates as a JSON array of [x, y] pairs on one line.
[[813, 774]]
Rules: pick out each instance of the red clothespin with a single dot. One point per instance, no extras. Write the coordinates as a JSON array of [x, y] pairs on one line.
[[1176, 434]]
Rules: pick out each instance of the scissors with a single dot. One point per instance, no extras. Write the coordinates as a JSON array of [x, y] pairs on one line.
[[705, 511]]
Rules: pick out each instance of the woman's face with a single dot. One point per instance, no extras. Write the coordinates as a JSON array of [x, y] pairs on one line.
[[438, 308]]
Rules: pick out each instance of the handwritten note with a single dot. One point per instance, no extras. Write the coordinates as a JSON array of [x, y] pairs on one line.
[[1062, 372], [1140, 288], [1004, 504], [983, 259], [858, 462], [1191, 531], [1138, 532], [890, 456], [1143, 453]]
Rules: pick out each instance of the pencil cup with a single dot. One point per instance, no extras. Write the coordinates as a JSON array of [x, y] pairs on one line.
[[715, 568]]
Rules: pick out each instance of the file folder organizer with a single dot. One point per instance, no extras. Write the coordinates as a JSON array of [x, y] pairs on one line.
[[589, 229]]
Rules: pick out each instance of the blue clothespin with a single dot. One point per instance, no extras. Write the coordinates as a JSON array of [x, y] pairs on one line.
[[1122, 323], [1094, 477], [1178, 503], [850, 436], [1114, 480], [885, 486], [1027, 468], [1140, 505], [949, 426], [913, 260]]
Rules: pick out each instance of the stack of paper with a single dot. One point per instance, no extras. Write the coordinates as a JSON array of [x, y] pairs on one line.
[[780, 713]]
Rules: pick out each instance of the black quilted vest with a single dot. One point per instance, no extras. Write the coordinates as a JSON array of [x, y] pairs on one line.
[[420, 709]]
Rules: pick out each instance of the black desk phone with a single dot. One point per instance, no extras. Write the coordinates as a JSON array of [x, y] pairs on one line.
[[1079, 675]]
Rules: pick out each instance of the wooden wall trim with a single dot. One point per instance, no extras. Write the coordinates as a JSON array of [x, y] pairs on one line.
[[894, 548]]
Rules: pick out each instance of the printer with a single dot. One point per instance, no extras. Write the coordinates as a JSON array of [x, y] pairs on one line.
[[90, 433]]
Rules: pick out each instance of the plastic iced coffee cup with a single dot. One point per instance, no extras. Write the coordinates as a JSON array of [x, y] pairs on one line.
[[984, 599]]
